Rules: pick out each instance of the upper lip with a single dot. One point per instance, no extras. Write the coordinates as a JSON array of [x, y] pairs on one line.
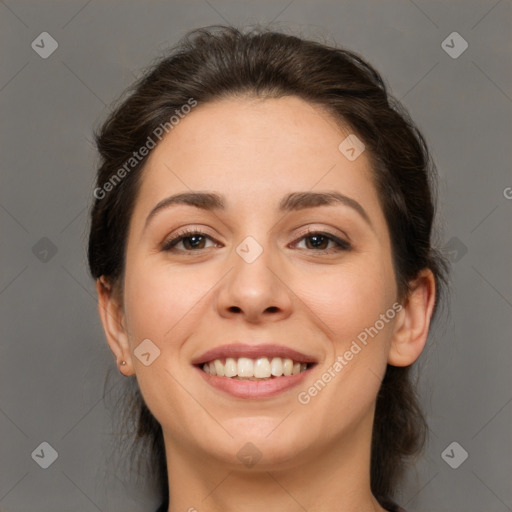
[[236, 350]]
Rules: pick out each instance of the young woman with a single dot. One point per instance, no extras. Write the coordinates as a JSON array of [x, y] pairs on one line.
[[261, 243]]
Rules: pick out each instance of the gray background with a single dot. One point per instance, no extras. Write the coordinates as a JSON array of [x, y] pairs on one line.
[[53, 357]]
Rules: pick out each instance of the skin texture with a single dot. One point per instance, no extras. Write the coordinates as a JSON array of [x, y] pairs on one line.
[[314, 456]]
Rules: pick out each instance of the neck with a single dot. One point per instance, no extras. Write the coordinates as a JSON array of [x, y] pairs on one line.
[[334, 476]]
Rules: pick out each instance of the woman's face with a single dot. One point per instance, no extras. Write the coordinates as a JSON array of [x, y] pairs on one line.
[[274, 266]]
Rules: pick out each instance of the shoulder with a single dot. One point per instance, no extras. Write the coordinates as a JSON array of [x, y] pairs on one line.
[[164, 506], [391, 507]]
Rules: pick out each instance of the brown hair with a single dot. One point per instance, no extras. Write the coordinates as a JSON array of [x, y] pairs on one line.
[[216, 62]]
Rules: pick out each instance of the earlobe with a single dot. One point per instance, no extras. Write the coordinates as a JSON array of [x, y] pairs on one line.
[[112, 318], [413, 321]]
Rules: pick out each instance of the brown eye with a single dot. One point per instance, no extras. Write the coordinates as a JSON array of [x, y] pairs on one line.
[[191, 241], [318, 241]]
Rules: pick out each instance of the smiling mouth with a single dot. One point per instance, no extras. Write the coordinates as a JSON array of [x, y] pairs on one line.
[[262, 368]]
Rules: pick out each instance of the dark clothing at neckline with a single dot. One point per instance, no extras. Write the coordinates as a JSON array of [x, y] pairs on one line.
[[391, 508]]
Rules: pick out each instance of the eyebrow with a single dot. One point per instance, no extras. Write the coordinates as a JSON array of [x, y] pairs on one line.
[[292, 202]]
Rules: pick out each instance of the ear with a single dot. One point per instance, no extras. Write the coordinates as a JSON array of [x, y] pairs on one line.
[[413, 321], [112, 317]]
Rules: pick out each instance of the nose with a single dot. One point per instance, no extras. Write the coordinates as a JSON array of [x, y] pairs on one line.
[[255, 291]]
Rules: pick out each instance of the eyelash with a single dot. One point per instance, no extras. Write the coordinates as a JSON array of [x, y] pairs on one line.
[[342, 245]]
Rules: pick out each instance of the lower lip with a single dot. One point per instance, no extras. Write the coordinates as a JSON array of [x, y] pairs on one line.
[[253, 388]]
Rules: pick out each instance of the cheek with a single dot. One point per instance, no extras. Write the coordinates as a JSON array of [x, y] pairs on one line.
[[162, 302], [356, 313], [350, 299]]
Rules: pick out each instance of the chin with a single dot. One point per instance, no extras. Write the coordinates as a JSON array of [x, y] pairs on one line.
[[256, 442]]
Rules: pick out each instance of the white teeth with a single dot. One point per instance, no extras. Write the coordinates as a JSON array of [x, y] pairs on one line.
[[252, 369], [230, 368], [245, 367], [262, 368], [219, 368], [276, 367], [287, 367]]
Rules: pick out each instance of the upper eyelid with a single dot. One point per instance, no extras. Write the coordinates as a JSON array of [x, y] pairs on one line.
[[188, 232], [309, 227], [302, 232], [312, 230]]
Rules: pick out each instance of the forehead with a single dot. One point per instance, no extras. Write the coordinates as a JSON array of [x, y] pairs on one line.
[[252, 148], [268, 129]]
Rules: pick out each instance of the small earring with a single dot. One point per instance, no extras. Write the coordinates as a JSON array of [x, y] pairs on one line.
[[123, 363]]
